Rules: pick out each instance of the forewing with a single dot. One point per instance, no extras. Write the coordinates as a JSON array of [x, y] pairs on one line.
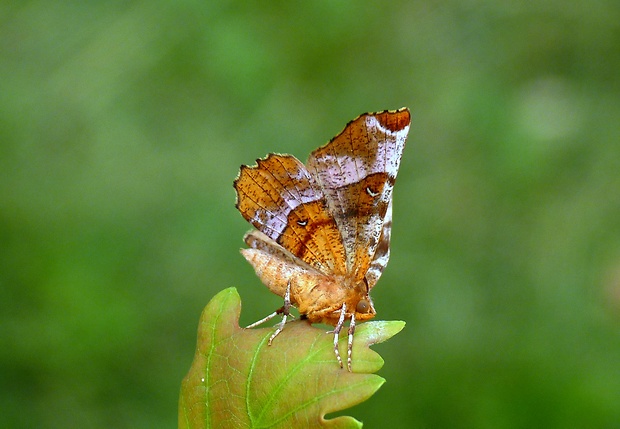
[[281, 199], [356, 171]]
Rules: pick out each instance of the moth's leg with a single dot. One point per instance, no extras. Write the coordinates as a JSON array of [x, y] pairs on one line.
[[286, 311], [336, 331], [350, 343], [265, 319]]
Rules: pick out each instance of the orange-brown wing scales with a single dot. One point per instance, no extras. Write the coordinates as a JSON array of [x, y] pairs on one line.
[[312, 234], [280, 198]]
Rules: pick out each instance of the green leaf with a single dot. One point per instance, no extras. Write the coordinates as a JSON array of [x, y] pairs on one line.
[[237, 380]]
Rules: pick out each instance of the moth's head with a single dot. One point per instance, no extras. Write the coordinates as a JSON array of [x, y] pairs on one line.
[[359, 301], [363, 306], [364, 309]]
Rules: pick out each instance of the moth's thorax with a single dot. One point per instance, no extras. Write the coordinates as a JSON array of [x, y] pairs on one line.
[[320, 298]]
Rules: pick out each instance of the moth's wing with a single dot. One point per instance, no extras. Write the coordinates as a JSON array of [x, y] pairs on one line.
[[260, 241], [356, 171], [273, 264], [281, 199], [382, 252]]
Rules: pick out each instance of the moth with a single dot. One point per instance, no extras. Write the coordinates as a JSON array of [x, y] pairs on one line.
[[322, 236]]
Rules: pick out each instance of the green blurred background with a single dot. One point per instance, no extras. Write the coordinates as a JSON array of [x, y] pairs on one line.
[[122, 127]]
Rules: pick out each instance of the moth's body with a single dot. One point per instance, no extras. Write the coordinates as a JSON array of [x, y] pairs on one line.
[[323, 228], [317, 296]]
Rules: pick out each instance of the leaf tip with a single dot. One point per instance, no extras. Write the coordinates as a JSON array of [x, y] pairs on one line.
[[380, 331]]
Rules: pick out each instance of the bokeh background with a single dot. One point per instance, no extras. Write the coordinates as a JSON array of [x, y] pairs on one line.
[[122, 127]]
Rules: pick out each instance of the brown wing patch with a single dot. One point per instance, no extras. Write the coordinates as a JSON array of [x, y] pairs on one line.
[[394, 120], [313, 236]]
